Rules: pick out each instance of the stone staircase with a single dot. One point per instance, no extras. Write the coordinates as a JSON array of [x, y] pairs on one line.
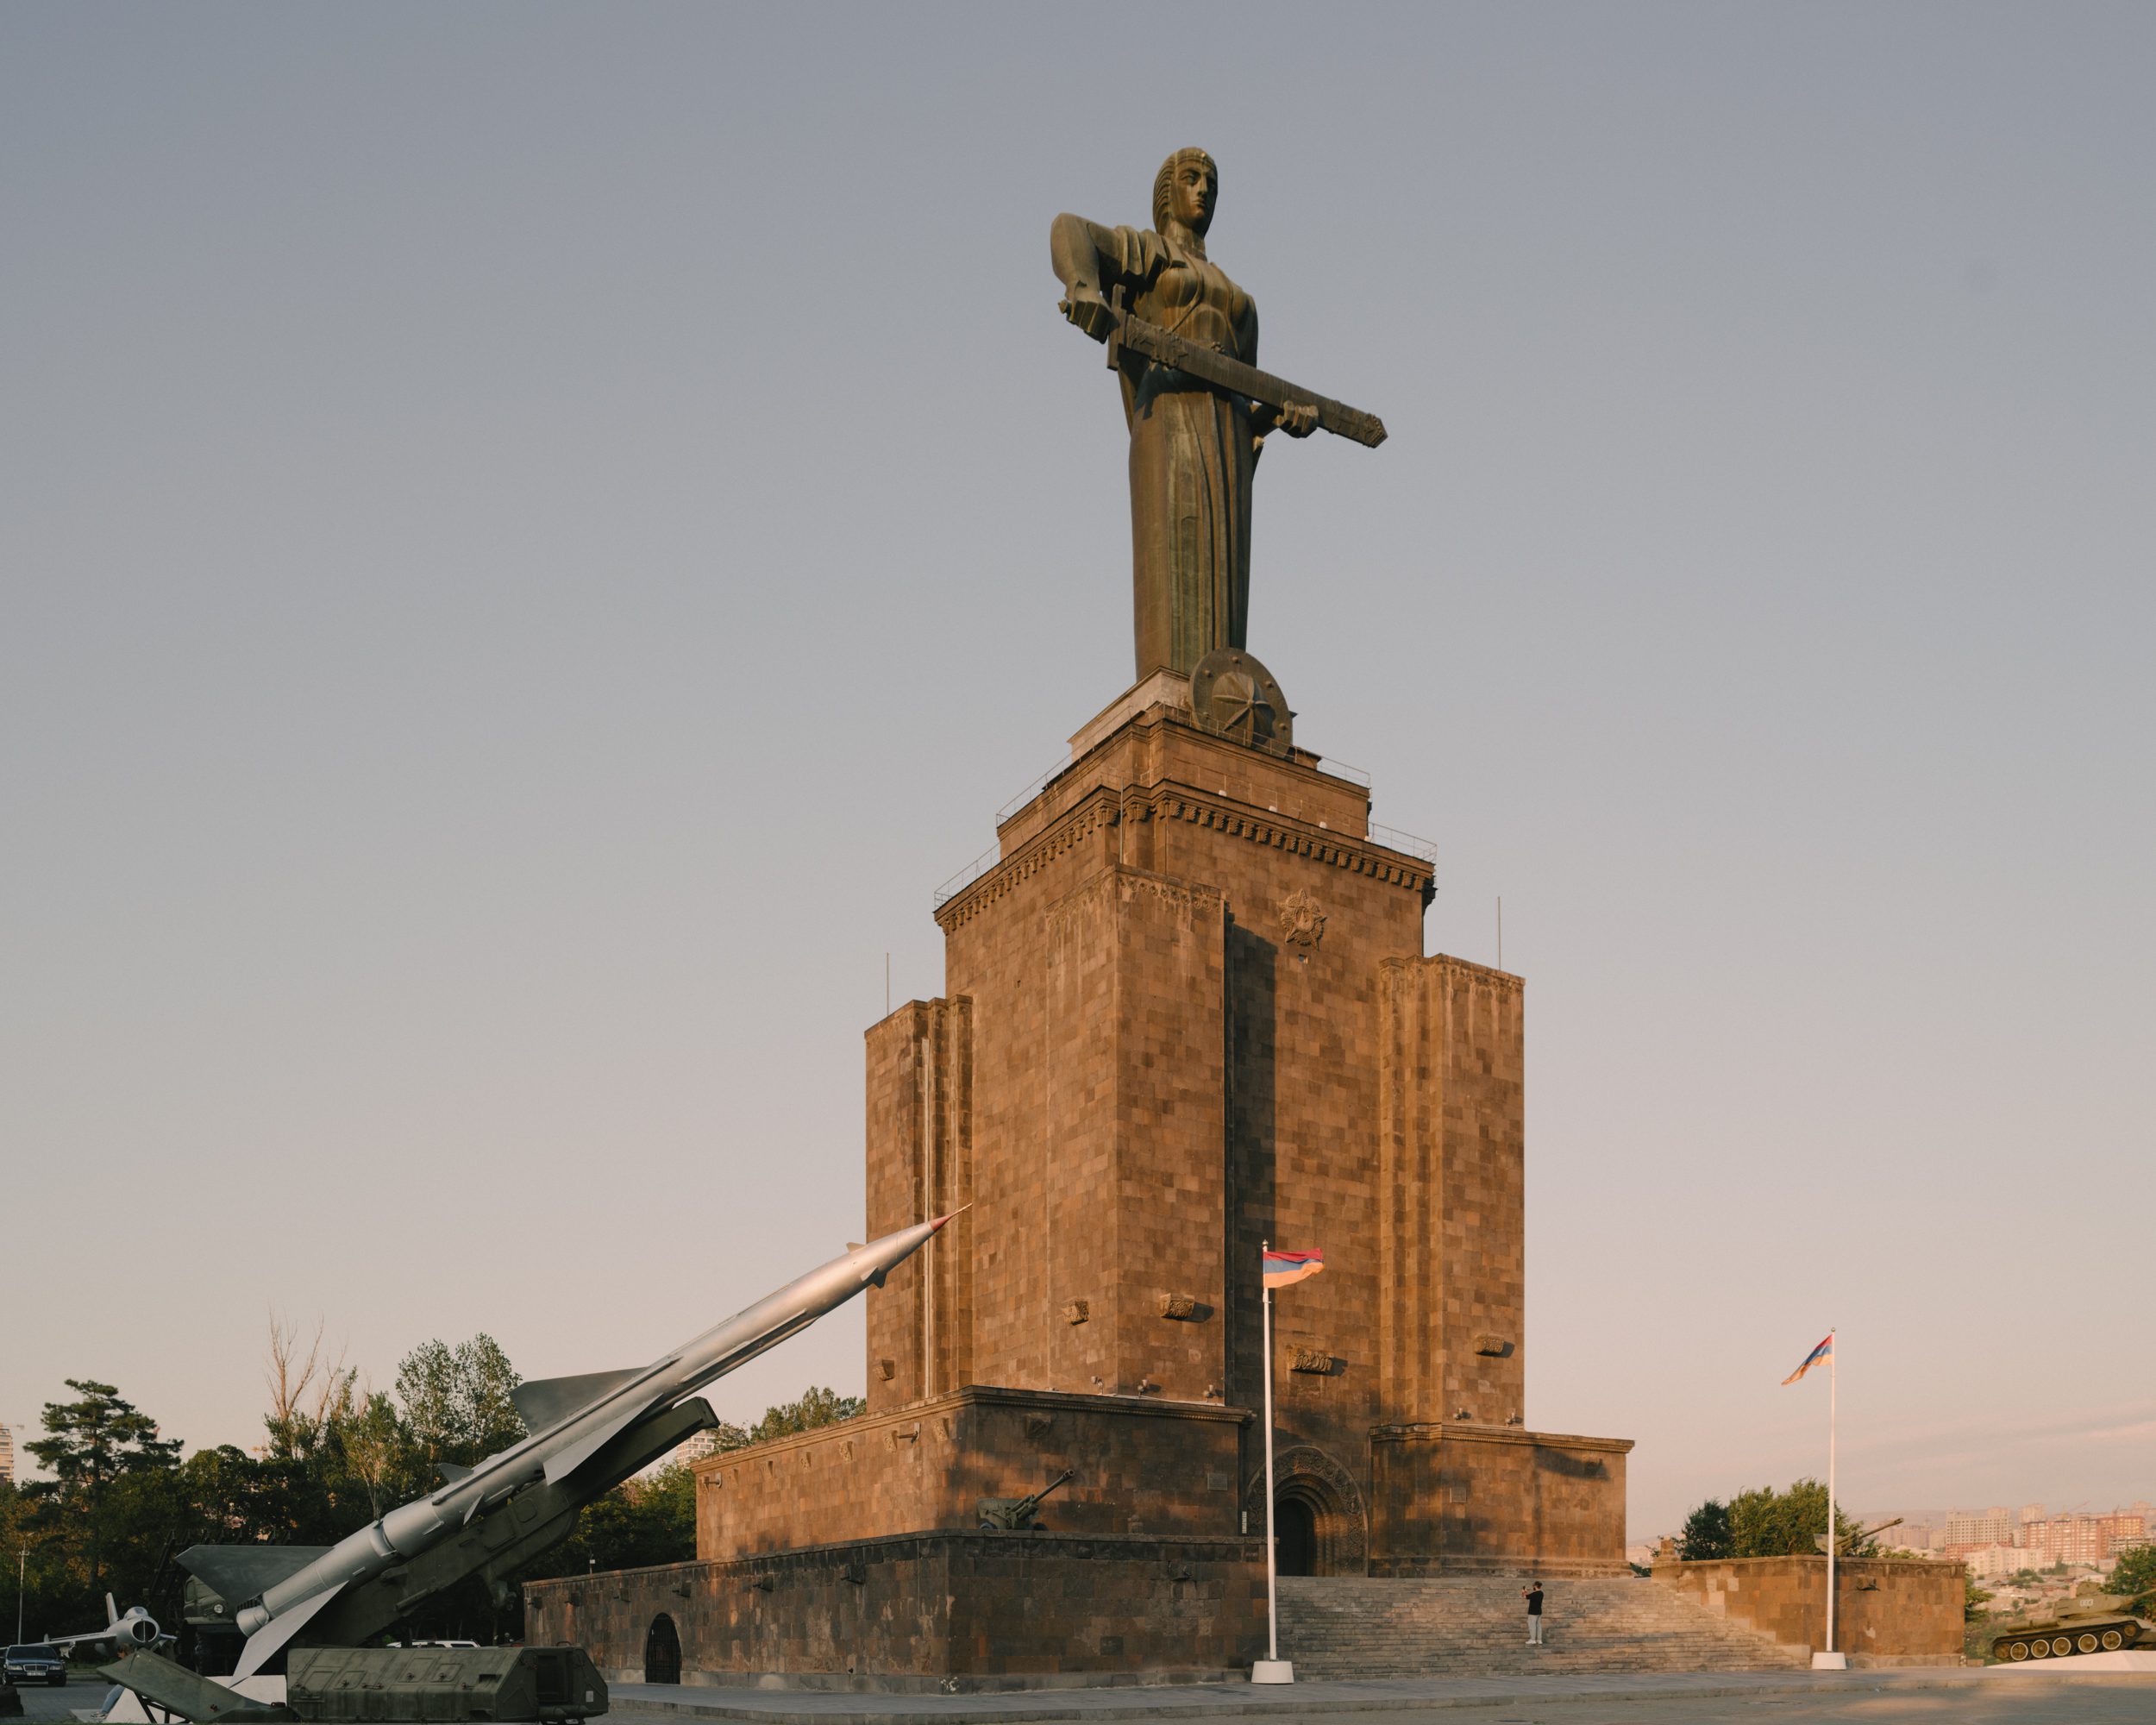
[[1354, 1626]]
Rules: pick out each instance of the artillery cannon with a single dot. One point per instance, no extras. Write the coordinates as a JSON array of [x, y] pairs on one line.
[[1015, 1515], [1855, 1537]]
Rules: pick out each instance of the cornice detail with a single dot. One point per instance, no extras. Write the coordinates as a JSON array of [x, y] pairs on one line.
[[1106, 807]]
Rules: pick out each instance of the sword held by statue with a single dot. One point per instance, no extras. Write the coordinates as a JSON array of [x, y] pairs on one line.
[[1210, 366]]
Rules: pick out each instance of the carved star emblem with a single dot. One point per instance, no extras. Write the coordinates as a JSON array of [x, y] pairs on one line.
[[1301, 919], [1237, 706]]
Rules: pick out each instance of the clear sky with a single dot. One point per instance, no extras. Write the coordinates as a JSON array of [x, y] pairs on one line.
[[532, 538]]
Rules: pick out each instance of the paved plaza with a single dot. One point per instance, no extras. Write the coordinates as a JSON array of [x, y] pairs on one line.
[[1949, 1697], [1977, 1698]]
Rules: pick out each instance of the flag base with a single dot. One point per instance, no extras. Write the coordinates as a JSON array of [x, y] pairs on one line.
[[1830, 1662], [1272, 1671]]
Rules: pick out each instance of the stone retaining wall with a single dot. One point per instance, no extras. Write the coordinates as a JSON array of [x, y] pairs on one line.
[[1461, 1499], [983, 1609], [1889, 1611], [1143, 1466]]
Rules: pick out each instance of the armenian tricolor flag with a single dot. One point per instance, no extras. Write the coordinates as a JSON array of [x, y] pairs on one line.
[[1813, 1358], [1284, 1268]]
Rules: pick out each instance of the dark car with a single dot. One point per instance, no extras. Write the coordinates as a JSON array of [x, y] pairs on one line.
[[33, 1662]]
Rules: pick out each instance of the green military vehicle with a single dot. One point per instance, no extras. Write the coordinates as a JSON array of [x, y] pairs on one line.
[[2088, 1628], [378, 1686]]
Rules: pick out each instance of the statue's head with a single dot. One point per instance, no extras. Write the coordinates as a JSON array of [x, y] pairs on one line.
[[1186, 189]]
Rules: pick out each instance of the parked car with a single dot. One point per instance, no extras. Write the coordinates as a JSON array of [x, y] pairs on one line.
[[34, 1662]]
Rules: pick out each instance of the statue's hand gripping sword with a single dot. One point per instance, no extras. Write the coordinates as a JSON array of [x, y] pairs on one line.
[[1208, 365]]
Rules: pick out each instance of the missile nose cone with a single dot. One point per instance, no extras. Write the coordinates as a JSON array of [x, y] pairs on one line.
[[936, 1227], [885, 1255]]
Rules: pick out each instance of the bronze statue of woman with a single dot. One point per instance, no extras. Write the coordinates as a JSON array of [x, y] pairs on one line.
[[1192, 448]]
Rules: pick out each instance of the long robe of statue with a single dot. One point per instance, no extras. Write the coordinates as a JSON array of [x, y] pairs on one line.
[[1193, 449]]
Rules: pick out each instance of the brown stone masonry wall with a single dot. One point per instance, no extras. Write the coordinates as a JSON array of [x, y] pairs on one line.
[[1452, 1142], [1142, 1466], [1158, 1267], [1164, 750], [1260, 1055], [1466, 1498], [1889, 1611], [1187, 1012], [963, 1609], [920, 1165]]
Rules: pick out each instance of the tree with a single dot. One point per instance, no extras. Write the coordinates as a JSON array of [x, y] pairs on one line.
[[1973, 1599], [89, 1445], [1767, 1523], [373, 1447], [726, 1435], [650, 1520], [17, 1519], [818, 1407], [1706, 1533], [455, 1401], [2135, 1578], [299, 1421]]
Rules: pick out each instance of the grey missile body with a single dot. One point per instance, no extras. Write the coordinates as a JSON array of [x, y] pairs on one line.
[[570, 1418]]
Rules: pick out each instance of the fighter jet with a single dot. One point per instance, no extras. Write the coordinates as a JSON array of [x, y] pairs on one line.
[[584, 1432], [125, 1631]]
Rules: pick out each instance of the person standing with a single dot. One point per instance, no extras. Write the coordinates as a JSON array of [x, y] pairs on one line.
[[1532, 1594]]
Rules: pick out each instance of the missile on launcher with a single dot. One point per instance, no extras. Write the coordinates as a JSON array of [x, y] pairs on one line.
[[586, 1434]]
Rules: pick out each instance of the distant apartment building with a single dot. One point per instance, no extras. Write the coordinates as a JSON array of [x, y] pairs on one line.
[[1997, 1526], [2143, 1513], [1988, 1562], [2086, 1539], [7, 1455], [2032, 1512], [702, 1443]]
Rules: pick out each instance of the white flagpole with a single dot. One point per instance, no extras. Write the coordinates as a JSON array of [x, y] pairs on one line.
[[1272, 1668], [1834, 1360], [1272, 1598]]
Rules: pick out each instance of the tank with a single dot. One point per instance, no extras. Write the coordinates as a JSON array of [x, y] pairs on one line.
[[2091, 1629]]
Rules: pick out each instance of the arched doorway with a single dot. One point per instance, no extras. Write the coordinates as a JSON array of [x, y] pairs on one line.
[[1295, 1536], [1319, 1526], [663, 1651]]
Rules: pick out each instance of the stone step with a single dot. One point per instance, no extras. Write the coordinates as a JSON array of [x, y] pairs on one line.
[[1353, 1626]]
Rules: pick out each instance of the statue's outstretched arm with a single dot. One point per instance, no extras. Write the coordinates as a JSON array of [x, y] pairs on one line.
[[1297, 419], [1083, 252]]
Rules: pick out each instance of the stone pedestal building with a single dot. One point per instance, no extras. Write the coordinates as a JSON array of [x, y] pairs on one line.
[[1186, 1011]]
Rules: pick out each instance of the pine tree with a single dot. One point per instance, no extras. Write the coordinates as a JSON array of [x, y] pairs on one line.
[[89, 1446]]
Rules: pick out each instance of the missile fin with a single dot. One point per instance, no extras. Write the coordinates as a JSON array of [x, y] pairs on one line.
[[262, 1645], [563, 1462], [451, 1473], [239, 1573], [181, 1694], [546, 1402]]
